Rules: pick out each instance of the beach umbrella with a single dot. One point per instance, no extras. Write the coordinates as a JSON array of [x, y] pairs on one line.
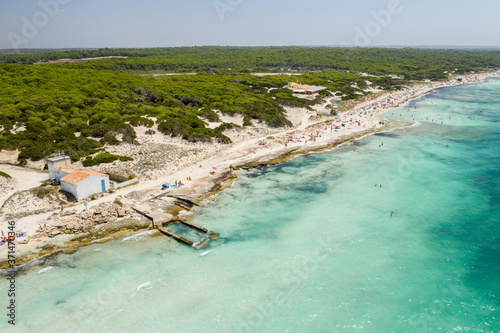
[[214, 168]]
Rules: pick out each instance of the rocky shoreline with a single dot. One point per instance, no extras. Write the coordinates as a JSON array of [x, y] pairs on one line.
[[66, 232]]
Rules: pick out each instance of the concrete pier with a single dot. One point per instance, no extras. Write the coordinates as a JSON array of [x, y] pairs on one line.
[[156, 216], [174, 236], [192, 225]]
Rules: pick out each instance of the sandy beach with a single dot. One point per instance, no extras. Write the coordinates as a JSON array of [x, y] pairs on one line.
[[204, 169]]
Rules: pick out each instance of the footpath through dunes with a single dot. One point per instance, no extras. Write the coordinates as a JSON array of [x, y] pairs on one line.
[[210, 167], [69, 61], [22, 179]]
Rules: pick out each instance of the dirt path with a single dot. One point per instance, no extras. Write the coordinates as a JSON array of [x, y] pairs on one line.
[[24, 179]]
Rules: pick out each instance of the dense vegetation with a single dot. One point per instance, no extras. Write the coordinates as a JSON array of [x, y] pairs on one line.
[[44, 109], [409, 63], [80, 108]]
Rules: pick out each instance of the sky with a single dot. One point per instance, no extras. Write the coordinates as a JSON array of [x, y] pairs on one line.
[[165, 23]]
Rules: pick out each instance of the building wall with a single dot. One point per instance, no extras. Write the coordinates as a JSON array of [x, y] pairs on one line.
[[55, 173], [87, 187], [91, 185], [63, 163], [59, 163], [123, 184], [71, 188]]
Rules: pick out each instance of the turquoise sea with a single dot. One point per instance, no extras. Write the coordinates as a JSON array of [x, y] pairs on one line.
[[310, 245]]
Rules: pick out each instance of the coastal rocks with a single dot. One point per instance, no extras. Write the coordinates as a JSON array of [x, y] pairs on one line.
[[136, 195], [24, 240], [55, 232], [100, 219], [69, 243], [85, 221], [68, 212], [120, 212]]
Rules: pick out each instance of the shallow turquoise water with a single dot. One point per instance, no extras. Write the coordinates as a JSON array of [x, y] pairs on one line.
[[310, 245]]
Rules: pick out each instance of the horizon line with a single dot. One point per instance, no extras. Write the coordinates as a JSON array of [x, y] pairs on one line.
[[396, 46]]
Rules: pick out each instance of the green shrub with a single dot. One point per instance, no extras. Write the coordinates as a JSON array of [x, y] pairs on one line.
[[42, 192], [247, 121], [104, 158], [109, 139], [3, 174]]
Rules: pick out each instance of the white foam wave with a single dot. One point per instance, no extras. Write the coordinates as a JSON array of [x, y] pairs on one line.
[[101, 240], [185, 213], [45, 270], [144, 285], [139, 236]]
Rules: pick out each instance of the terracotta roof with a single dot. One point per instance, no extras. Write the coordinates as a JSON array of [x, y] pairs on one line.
[[304, 87], [293, 85], [68, 170], [78, 175], [75, 177], [93, 173]]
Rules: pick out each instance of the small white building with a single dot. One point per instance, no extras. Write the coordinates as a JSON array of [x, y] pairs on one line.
[[59, 166], [80, 183], [84, 183], [304, 88]]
